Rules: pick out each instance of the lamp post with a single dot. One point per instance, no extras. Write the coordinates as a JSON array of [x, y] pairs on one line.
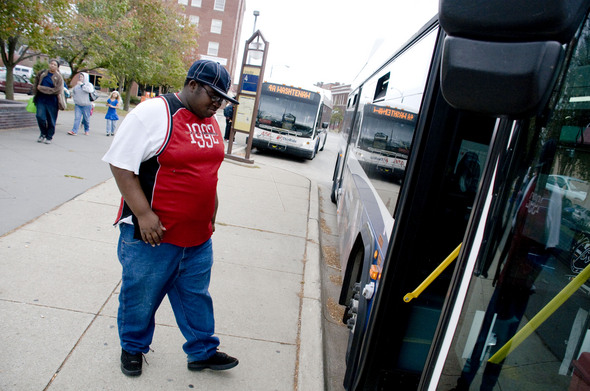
[[256, 53], [256, 13], [251, 76]]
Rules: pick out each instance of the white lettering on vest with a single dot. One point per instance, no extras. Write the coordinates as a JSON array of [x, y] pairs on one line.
[[203, 135]]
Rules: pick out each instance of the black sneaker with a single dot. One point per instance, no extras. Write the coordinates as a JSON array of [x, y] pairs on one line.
[[131, 363], [218, 362]]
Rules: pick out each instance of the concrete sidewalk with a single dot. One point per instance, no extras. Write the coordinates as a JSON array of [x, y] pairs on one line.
[[60, 283]]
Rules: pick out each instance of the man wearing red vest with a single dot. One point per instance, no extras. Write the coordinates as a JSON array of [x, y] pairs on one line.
[[164, 158]]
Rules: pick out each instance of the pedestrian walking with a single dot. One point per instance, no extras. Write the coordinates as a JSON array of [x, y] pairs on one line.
[[47, 90], [166, 220], [83, 105], [111, 116]]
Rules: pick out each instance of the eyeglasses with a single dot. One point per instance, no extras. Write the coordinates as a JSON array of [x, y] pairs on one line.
[[214, 97]]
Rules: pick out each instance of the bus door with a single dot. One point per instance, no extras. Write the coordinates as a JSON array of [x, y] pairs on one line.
[[445, 201], [519, 314], [384, 128], [446, 167]]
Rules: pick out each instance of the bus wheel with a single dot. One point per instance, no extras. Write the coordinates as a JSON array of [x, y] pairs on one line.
[[335, 181], [350, 294], [350, 313], [315, 151], [324, 144], [334, 192]]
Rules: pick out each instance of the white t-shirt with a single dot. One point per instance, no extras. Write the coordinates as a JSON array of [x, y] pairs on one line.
[[140, 136]]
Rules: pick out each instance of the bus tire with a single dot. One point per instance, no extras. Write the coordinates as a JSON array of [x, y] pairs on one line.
[[315, 151], [336, 181], [334, 192]]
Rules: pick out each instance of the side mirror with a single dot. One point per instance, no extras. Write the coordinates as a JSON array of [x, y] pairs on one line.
[[325, 125], [502, 57], [498, 78], [514, 20]]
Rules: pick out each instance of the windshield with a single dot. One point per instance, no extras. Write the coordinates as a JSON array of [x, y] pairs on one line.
[[287, 113], [386, 134]]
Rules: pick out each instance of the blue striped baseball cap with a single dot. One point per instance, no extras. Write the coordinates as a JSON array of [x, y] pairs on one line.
[[212, 74]]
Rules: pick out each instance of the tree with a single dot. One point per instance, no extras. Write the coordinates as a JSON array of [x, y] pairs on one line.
[[152, 43], [27, 26], [337, 117], [81, 42]]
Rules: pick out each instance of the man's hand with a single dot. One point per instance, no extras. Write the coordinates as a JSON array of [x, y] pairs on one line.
[[214, 213], [151, 228]]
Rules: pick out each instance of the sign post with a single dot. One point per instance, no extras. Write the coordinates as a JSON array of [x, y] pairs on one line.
[[251, 77]]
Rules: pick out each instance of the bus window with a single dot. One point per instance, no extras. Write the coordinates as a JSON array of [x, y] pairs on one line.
[[381, 89], [519, 328], [383, 148], [388, 112]]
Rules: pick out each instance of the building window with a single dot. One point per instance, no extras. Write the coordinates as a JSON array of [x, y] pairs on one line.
[[196, 3], [216, 26], [213, 49], [183, 2], [219, 5], [194, 20]]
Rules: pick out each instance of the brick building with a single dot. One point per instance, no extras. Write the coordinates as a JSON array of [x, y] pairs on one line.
[[219, 23]]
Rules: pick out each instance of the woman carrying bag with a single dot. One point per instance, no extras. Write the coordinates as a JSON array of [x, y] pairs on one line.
[[48, 97]]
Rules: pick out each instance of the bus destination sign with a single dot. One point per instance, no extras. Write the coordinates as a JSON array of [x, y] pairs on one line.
[[394, 113], [295, 92]]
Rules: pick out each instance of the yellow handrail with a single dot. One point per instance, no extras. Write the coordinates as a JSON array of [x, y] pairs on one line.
[[541, 316], [452, 256]]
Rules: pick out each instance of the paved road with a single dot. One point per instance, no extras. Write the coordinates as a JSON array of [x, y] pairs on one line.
[[35, 177]]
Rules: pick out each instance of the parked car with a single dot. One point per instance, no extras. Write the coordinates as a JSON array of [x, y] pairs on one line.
[[21, 84], [573, 188]]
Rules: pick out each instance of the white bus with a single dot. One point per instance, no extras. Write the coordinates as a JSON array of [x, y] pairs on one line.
[[292, 120], [472, 273]]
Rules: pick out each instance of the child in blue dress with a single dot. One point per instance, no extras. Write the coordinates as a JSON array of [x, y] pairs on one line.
[[112, 117]]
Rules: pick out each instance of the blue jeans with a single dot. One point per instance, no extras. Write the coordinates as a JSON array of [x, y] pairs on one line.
[[149, 273], [111, 125], [81, 113], [46, 117]]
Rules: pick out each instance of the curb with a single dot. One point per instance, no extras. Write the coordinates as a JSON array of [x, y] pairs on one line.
[[310, 373]]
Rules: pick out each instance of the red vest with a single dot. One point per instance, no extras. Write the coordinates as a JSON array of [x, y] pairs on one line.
[[180, 182]]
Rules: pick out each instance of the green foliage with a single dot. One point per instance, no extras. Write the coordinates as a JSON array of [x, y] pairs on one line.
[[39, 66], [132, 100], [30, 24], [337, 116], [143, 41], [109, 81]]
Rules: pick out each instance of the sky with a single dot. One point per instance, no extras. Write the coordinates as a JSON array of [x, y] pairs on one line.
[[328, 41]]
